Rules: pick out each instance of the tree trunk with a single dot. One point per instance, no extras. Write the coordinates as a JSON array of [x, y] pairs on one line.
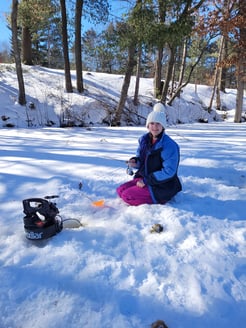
[[239, 102], [218, 99], [168, 75], [219, 82], [241, 69], [158, 84], [16, 50], [183, 63], [224, 50], [123, 96], [135, 100], [26, 46], [216, 77], [157, 77], [223, 72], [68, 81], [78, 49]]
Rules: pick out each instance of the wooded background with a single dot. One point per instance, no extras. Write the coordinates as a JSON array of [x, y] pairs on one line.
[[175, 42]]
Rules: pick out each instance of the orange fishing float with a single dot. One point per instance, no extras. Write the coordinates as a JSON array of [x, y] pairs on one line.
[[98, 203]]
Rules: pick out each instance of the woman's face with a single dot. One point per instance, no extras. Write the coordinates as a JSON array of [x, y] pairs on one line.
[[155, 128]]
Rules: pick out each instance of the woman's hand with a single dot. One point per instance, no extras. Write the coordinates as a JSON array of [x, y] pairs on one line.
[[140, 184], [132, 162]]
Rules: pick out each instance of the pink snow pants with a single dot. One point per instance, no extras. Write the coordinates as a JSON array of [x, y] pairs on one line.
[[133, 195]]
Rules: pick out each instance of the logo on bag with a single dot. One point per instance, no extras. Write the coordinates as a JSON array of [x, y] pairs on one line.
[[34, 235]]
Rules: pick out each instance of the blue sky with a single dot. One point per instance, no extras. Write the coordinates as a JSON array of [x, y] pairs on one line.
[[5, 8]]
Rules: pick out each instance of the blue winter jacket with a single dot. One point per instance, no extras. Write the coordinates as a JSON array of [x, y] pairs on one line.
[[158, 166]]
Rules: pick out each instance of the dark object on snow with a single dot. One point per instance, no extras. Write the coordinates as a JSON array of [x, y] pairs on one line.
[[9, 125], [159, 324], [203, 120], [5, 118], [157, 227], [41, 221], [31, 105]]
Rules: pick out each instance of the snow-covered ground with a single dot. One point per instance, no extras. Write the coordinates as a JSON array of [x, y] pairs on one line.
[[49, 105], [112, 272]]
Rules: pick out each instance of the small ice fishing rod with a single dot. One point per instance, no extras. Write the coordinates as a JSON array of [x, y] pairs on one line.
[[97, 203]]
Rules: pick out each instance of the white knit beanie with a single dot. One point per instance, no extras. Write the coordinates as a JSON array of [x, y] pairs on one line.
[[158, 115]]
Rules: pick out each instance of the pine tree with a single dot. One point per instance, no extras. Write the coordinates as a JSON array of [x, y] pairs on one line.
[[33, 16]]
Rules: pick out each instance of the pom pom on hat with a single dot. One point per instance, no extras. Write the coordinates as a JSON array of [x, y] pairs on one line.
[[158, 115]]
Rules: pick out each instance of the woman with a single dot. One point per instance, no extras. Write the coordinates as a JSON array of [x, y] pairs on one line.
[[156, 161]]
